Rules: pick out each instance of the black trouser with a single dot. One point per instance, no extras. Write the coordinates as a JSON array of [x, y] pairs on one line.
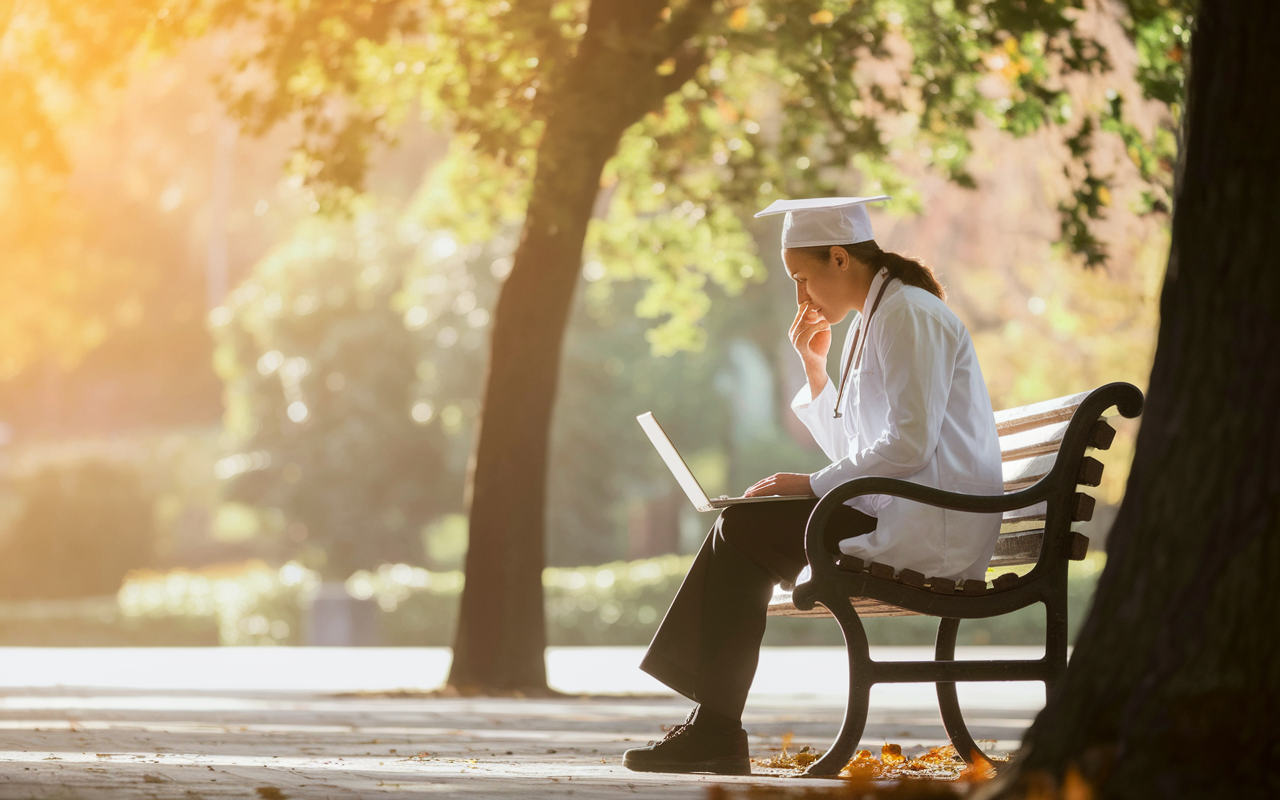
[[708, 645]]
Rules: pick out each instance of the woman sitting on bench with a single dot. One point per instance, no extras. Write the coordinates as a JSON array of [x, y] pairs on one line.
[[911, 404]]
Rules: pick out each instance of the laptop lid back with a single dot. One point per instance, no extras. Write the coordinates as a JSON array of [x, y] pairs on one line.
[[674, 462]]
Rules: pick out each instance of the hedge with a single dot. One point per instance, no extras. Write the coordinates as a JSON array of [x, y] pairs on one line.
[[620, 603]]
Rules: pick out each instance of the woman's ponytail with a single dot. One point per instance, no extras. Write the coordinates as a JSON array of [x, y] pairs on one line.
[[911, 271]]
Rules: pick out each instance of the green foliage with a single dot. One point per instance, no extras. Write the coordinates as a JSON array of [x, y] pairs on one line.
[[763, 100], [1162, 31], [351, 364], [81, 527]]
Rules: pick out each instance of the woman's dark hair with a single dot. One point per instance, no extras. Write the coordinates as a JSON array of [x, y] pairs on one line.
[[911, 271]]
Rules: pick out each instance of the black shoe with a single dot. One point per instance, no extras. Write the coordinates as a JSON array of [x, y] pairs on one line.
[[688, 748]]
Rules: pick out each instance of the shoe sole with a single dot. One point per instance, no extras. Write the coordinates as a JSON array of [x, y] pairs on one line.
[[728, 765]]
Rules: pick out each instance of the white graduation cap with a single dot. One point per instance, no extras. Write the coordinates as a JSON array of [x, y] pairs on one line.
[[824, 220]]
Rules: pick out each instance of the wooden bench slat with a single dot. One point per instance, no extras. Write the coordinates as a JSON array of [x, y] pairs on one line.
[[1023, 547], [867, 607], [1048, 439], [781, 606], [1031, 443], [1033, 513], [1082, 511], [1021, 474], [1017, 548], [1037, 415]]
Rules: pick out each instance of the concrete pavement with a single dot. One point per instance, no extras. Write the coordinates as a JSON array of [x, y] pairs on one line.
[[357, 723]]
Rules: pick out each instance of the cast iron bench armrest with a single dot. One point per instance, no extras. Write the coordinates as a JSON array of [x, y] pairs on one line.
[[821, 559]]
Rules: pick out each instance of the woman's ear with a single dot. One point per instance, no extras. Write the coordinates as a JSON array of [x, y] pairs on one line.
[[840, 258]]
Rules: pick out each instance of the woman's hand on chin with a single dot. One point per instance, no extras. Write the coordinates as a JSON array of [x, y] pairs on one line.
[[784, 483]]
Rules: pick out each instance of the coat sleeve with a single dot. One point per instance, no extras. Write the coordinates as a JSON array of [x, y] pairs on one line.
[[818, 415], [916, 354]]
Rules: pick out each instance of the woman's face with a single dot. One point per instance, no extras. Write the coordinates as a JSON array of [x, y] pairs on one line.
[[831, 286]]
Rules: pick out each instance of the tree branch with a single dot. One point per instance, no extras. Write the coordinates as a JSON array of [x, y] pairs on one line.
[[687, 62], [685, 24]]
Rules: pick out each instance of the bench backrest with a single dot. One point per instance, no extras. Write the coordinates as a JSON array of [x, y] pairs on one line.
[[1029, 440]]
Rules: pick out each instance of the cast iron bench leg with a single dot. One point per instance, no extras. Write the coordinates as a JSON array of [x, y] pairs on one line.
[[1055, 640], [948, 703], [855, 711]]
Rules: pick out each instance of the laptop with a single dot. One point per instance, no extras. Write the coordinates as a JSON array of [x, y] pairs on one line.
[[685, 477]]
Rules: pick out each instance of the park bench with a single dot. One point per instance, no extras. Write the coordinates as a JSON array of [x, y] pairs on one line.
[[1043, 448]]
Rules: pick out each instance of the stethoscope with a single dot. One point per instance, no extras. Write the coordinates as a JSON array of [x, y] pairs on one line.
[[849, 362]]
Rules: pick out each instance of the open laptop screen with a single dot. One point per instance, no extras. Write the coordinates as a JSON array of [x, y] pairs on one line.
[[674, 462]]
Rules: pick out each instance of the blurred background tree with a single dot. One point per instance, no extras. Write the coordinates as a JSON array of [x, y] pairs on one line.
[[335, 378]]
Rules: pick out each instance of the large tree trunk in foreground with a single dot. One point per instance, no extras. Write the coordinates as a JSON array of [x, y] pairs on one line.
[[612, 83], [1174, 687]]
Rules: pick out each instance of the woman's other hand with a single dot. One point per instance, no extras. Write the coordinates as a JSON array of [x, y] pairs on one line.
[[784, 483]]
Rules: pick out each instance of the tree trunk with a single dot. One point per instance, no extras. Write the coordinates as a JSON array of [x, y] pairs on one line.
[[611, 84], [501, 629], [1174, 687]]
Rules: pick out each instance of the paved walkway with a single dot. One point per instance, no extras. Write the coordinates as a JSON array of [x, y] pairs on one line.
[[338, 723]]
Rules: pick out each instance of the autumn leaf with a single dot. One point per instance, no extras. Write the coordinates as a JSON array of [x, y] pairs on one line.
[[738, 19], [1075, 786], [823, 17], [892, 754], [783, 760]]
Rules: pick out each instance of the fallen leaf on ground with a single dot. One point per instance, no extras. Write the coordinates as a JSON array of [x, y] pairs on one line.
[[784, 760]]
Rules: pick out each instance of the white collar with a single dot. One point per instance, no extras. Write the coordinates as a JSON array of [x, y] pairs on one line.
[[854, 339], [880, 277]]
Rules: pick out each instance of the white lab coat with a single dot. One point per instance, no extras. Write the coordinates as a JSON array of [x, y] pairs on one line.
[[916, 408]]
